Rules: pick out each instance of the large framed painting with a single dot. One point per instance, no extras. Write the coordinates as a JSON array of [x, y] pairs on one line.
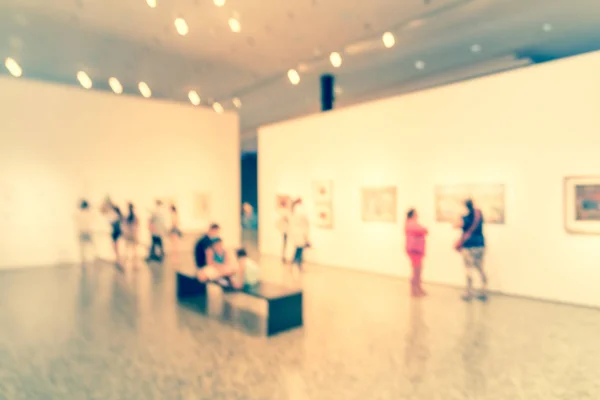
[[379, 204], [489, 198], [582, 205], [322, 192]]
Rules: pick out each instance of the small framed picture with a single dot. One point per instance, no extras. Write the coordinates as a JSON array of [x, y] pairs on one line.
[[582, 205]]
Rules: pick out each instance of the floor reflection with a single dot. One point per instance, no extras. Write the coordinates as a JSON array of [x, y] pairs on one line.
[[68, 333]]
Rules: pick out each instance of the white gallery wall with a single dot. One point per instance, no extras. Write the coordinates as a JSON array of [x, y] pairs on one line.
[[527, 129], [60, 144]]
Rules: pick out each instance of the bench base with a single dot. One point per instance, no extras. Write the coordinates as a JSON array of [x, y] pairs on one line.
[[189, 287], [262, 309]]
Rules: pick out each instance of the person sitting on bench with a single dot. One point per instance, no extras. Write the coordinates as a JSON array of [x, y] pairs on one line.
[[218, 268], [248, 272], [204, 244]]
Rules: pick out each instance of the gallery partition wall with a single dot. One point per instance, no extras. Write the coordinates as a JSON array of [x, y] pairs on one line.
[[61, 144], [523, 144]]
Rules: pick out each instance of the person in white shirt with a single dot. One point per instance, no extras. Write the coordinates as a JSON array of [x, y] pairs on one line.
[[298, 232], [157, 230], [248, 272], [283, 225], [84, 221]]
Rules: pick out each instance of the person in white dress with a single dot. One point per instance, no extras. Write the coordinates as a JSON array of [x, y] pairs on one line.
[[299, 232]]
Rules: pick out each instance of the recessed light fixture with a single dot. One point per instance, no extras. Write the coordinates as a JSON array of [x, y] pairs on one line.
[[293, 76], [151, 3], [181, 26], [13, 67], [84, 80], [218, 107], [219, 3], [235, 25], [547, 27], [115, 85], [336, 59], [476, 48], [420, 65], [194, 97], [388, 39], [237, 102], [144, 89]]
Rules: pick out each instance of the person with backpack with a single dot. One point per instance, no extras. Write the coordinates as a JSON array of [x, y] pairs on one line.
[[471, 245]]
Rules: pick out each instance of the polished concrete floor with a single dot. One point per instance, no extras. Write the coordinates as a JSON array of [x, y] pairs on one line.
[[95, 333]]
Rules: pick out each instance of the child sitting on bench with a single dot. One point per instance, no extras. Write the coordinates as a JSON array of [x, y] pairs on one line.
[[248, 272]]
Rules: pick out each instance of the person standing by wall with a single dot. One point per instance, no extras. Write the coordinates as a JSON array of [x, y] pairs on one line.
[[115, 218], [157, 231], [299, 232], [415, 248], [283, 226], [84, 220], [472, 247], [131, 234]]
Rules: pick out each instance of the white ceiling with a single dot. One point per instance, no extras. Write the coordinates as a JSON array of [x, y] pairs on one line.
[[53, 39]]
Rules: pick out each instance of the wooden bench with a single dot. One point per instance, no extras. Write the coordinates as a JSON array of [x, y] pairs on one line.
[[274, 307]]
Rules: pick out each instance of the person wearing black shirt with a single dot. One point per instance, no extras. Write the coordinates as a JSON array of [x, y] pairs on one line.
[[472, 247], [204, 244]]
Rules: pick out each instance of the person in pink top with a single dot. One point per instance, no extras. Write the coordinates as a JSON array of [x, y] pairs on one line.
[[415, 248]]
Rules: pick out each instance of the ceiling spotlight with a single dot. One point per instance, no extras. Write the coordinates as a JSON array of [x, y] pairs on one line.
[[388, 39], [144, 89], [234, 25], [336, 59], [547, 27], [219, 3], [293, 76], [84, 79], [194, 97], [476, 48], [115, 85], [151, 3], [13, 67], [420, 65], [237, 102], [181, 26], [218, 107]]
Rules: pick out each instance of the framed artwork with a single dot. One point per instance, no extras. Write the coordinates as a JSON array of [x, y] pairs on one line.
[[379, 204], [324, 216], [489, 198], [322, 192], [202, 206], [323, 204], [582, 205]]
